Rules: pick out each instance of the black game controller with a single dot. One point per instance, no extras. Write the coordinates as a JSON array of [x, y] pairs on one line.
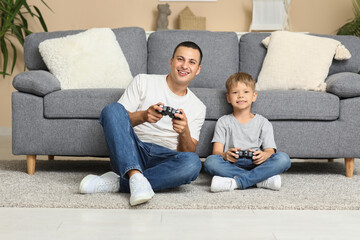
[[244, 154], [169, 111]]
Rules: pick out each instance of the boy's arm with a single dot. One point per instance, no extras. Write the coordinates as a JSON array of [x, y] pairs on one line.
[[262, 156], [218, 149]]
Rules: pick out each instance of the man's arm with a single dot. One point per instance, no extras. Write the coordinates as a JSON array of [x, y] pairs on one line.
[[186, 143], [150, 115]]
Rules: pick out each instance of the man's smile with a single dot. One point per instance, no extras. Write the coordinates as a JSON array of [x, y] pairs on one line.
[[183, 73]]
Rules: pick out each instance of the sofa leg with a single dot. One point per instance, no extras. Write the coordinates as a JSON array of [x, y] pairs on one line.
[[349, 166], [51, 157], [31, 159], [330, 160]]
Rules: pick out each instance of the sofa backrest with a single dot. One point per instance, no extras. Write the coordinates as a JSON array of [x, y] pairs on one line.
[[132, 41], [220, 54], [252, 54]]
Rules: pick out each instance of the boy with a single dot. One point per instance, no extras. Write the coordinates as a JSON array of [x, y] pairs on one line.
[[243, 130]]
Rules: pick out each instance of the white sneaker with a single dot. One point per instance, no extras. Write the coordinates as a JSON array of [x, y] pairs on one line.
[[107, 183], [140, 189], [221, 184], [273, 183]]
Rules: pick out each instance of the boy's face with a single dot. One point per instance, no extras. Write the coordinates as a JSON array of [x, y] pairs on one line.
[[241, 96], [185, 65]]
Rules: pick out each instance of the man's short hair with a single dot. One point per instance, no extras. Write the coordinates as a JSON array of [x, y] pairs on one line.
[[189, 44], [240, 77]]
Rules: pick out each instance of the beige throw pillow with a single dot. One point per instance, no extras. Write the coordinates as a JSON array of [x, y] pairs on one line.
[[298, 61], [90, 59]]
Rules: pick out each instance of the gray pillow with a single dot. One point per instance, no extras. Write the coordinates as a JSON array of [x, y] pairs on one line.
[[344, 85], [37, 82]]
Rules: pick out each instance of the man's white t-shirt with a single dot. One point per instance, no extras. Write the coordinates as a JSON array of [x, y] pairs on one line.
[[146, 90]]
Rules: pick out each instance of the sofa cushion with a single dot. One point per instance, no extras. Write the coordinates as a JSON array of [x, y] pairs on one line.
[[90, 59], [220, 54], [297, 105], [252, 54], [132, 41], [79, 103], [300, 105]]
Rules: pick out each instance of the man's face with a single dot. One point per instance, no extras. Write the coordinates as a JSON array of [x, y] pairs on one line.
[[185, 65], [241, 96]]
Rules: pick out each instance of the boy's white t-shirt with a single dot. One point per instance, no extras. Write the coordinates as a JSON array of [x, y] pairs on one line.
[[146, 90]]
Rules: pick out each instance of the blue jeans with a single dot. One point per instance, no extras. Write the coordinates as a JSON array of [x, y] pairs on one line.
[[245, 173], [164, 168]]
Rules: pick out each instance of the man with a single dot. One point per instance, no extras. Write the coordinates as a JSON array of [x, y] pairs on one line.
[[148, 151]]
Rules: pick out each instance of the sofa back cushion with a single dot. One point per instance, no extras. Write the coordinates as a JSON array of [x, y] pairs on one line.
[[220, 54], [300, 105], [132, 41], [252, 54]]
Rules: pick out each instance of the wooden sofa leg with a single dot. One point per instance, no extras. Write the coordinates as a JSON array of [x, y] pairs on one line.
[[349, 166], [51, 157], [31, 159], [330, 160]]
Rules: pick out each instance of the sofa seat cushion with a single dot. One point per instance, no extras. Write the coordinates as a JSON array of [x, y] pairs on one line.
[[79, 103], [276, 105]]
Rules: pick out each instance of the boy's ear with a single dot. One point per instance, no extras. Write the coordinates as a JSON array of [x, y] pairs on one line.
[[255, 96], [227, 97]]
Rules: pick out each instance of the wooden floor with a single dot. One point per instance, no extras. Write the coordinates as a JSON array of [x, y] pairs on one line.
[[103, 224]]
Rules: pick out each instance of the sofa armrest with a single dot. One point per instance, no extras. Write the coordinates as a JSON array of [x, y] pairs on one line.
[[37, 82], [344, 85]]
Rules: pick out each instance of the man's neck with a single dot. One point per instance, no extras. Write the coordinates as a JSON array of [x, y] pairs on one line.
[[178, 89]]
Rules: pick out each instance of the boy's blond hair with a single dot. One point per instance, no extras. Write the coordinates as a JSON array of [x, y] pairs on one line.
[[240, 77]]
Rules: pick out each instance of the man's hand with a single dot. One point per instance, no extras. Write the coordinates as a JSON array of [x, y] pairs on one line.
[[180, 125], [151, 115], [262, 156], [230, 155], [185, 142]]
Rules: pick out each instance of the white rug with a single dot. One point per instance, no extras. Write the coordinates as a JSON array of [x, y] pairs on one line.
[[307, 185]]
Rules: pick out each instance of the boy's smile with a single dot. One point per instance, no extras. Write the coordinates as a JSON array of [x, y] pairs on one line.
[[241, 96]]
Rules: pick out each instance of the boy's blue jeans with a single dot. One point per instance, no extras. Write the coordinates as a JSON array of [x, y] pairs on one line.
[[164, 168], [245, 173]]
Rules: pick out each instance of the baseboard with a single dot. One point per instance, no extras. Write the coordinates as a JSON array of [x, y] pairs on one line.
[[5, 131]]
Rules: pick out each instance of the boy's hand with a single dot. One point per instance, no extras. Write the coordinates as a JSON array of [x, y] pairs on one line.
[[260, 156], [231, 155], [151, 114]]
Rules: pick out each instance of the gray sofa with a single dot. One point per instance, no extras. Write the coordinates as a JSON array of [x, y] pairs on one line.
[[323, 125]]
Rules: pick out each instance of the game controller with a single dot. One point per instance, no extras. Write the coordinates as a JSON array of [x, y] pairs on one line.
[[168, 111], [244, 154]]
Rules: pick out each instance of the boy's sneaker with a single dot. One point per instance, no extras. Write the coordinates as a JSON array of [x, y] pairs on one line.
[[221, 184], [140, 189], [273, 183], [107, 183]]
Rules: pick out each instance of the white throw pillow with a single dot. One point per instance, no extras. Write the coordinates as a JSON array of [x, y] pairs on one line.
[[90, 59], [298, 61]]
